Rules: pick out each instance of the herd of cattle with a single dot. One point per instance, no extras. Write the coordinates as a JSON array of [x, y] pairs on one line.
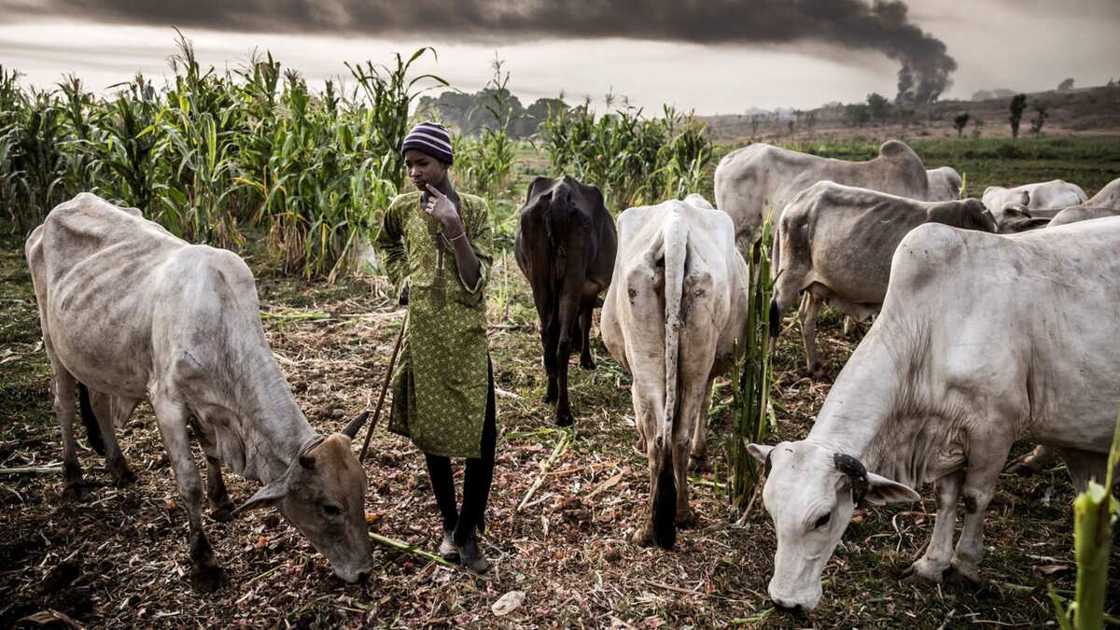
[[989, 330]]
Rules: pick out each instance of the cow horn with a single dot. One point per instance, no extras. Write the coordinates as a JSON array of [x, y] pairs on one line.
[[856, 473], [355, 425]]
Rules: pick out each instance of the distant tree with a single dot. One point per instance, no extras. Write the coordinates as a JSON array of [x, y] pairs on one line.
[[811, 120], [756, 120], [1066, 85], [960, 122], [858, 113], [878, 106], [1040, 116], [1018, 104]]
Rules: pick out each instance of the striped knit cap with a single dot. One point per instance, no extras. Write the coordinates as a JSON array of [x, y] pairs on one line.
[[431, 138]]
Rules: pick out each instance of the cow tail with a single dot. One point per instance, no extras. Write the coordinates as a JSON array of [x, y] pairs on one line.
[[93, 430], [665, 486]]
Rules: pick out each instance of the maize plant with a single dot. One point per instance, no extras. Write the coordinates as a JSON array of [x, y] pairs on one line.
[[751, 420], [1095, 513], [632, 159]]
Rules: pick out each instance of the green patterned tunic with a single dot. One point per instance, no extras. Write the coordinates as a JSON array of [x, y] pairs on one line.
[[441, 380]]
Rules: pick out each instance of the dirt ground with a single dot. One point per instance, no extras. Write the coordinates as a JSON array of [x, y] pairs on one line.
[[120, 558]]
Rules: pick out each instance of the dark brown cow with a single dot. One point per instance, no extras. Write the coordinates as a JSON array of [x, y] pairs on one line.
[[565, 246]]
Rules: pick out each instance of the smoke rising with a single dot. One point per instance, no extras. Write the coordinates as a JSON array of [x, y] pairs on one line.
[[882, 26]]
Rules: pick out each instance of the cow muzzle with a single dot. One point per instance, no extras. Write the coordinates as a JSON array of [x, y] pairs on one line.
[[798, 602]]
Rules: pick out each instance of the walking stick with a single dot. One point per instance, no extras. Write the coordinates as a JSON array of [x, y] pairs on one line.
[[384, 388]]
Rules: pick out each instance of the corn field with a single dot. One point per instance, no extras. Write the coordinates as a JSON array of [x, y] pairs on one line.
[[634, 160], [211, 154]]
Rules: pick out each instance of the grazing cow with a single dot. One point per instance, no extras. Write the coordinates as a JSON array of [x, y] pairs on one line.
[[761, 178], [836, 244], [565, 246], [1107, 197], [944, 184], [957, 367], [129, 312], [1037, 198], [671, 317], [1082, 213]]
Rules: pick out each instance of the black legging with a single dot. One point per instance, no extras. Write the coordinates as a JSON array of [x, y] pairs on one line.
[[476, 480]]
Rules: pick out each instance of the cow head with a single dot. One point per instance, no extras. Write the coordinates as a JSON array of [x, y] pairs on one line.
[[323, 495], [810, 493], [969, 214], [794, 239]]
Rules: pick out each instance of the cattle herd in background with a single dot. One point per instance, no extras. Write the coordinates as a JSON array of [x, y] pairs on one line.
[[982, 338]]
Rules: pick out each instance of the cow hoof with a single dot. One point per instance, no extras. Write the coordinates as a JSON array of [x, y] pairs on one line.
[[587, 363], [699, 464], [75, 492], [564, 419], [123, 476], [964, 575], [207, 578], [818, 373], [643, 536], [923, 572], [685, 518], [222, 513]]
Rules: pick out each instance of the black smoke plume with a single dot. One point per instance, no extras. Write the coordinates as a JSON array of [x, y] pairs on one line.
[[882, 25]]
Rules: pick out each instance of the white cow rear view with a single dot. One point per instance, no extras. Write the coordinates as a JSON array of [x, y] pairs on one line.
[[673, 311]]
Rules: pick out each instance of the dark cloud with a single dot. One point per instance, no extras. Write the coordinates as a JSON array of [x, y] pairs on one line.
[[881, 26]]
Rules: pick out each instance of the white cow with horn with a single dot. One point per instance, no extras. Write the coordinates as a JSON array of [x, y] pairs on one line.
[[676, 304], [959, 365], [129, 312]]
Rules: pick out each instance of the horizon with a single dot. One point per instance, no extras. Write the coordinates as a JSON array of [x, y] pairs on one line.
[[648, 67]]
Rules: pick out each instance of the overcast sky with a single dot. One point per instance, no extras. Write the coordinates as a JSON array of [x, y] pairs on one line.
[[713, 56]]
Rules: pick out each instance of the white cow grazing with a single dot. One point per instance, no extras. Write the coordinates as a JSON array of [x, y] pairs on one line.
[[762, 178], [676, 305], [944, 184], [1107, 197], [1082, 213], [131, 312], [836, 244], [957, 367], [1036, 198]]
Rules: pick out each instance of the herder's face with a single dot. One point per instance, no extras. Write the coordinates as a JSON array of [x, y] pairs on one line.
[[424, 169]]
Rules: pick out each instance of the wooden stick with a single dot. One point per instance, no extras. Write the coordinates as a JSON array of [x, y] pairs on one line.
[[412, 549], [384, 389], [675, 589], [32, 470], [561, 446]]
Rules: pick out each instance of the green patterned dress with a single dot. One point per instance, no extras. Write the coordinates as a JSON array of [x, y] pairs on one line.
[[441, 380]]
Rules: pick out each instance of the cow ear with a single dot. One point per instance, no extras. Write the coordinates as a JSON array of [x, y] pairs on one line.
[[882, 491], [760, 451], [1025, 198], [267, 496]]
